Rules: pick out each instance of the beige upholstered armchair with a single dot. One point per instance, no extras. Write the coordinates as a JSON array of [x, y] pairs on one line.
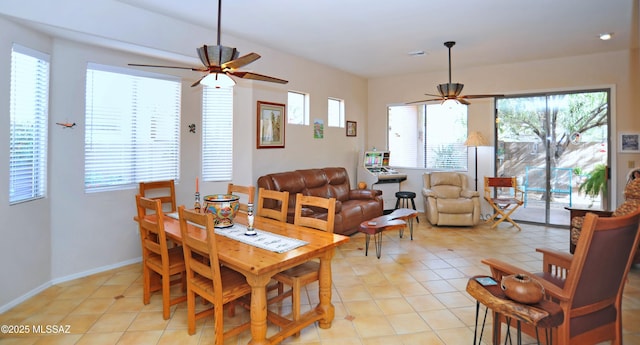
[[447, 200]]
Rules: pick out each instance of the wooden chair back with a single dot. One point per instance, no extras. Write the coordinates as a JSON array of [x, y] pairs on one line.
[[502, 189], [198, 245], [596, 278], [165, 191], [304, 212], [152, 235], [248, 192], [281, 201]]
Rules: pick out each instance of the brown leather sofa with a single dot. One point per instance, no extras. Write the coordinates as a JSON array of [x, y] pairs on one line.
[[353, 206]]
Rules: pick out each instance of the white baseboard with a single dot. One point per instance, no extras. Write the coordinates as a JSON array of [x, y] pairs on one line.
[[60, 280]]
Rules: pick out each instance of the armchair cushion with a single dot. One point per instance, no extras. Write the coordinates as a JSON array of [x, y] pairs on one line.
[[448, 201]]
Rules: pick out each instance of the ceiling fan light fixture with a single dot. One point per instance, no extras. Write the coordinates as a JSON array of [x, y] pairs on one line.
[[217, 55], [218, 80], [450, 90]]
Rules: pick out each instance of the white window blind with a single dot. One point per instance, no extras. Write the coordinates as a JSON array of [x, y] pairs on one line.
[[28, 122], [297, 108], [217, 134], [132, 130]]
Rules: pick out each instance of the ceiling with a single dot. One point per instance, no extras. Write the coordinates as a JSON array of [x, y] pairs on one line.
[[363, 37]]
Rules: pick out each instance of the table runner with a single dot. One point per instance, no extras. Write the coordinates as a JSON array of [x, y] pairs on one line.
[[264, 239]]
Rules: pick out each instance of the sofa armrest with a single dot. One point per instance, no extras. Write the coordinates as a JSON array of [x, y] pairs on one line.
[[363, 194], [469, 194], [428, 193]]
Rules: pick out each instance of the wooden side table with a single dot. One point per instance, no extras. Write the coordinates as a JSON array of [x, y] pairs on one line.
[[544, 314], [397, 219]]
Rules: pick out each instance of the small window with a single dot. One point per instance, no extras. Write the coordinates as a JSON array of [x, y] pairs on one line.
[[132, 131], [217, 134], [298, 108], [336, 113], [28, 121], [428, 136]]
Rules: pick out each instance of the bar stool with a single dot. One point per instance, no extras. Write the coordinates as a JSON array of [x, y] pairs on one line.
[[402, 201]]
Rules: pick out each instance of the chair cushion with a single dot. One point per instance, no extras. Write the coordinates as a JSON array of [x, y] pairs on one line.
[[455, 206]]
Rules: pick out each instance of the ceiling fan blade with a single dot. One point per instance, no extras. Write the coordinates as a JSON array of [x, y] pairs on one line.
[[256, 76], [481, 96], [427, 100], [462, 101], [241, 61], [198, 81], [176, 67]]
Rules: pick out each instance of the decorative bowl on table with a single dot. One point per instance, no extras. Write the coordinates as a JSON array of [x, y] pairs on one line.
[[224, 208]]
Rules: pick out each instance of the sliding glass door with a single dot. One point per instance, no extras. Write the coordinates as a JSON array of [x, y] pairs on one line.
[[557, 145]]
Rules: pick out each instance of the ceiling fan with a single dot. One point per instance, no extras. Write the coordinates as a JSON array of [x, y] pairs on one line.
[[451, 91], [220, 62]]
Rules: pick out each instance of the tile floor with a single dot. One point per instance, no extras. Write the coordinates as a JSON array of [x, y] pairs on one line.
[[414, 294]]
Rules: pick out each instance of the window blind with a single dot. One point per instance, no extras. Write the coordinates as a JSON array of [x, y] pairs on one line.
[[446, 133], [217, 134], [28, 122], [132, 131]]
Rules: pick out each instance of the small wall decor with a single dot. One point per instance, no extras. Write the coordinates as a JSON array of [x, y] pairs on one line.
[[271, 125], [66, 124], [352, 128], [318, 129], [192, 128], [629, 142]]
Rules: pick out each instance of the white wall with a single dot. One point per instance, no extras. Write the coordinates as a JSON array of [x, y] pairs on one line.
[[613, 69], [70, 233]]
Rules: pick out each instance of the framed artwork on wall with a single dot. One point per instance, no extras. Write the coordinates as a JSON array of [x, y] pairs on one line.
[[629, 142], [271, 123], [352, 128]]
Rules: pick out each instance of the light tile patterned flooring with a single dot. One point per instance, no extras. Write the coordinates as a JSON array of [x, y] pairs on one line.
[[414, 294]]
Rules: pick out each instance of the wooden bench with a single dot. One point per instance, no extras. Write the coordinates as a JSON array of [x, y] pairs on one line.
[[396, 220]]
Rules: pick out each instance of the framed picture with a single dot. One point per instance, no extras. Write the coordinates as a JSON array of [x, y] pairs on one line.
[[271, 123], [629, 142], [352, 128]]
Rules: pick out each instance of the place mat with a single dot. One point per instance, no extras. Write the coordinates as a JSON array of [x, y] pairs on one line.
[[263, 239]]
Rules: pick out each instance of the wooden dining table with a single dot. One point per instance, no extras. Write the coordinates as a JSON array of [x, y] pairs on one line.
[[259, 265]]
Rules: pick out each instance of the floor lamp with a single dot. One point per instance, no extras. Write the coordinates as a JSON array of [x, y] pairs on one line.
[[476, 139]]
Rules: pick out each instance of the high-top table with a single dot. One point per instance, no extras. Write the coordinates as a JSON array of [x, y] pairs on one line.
[[396, 220], [259, 265]]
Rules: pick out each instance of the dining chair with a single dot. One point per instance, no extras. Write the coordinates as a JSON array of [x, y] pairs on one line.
[[163, 190], [277, 204], [299, 276], [588, 285], [206, 277], [157, 256], [248, 191]]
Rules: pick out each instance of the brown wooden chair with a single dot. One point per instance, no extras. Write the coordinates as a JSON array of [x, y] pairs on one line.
[[503, 194], [588, 285], [205, 277], [163, 190], [279, 201], [156, 255], [308, 272], [248, 191]]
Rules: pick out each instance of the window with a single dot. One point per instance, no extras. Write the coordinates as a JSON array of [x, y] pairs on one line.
[[132, 131], [428, 136], [28, 122], [217, 134], [298, 108], [336, 113]]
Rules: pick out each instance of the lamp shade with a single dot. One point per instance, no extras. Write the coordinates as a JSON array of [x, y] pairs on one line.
[[218, 80], [476, 139]]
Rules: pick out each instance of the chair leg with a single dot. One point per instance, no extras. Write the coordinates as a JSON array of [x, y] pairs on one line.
[[166, 296], [295, 298], [146, 284], [191, 312]]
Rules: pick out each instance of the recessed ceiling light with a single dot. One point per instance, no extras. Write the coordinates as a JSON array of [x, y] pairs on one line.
[[606, 36]]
